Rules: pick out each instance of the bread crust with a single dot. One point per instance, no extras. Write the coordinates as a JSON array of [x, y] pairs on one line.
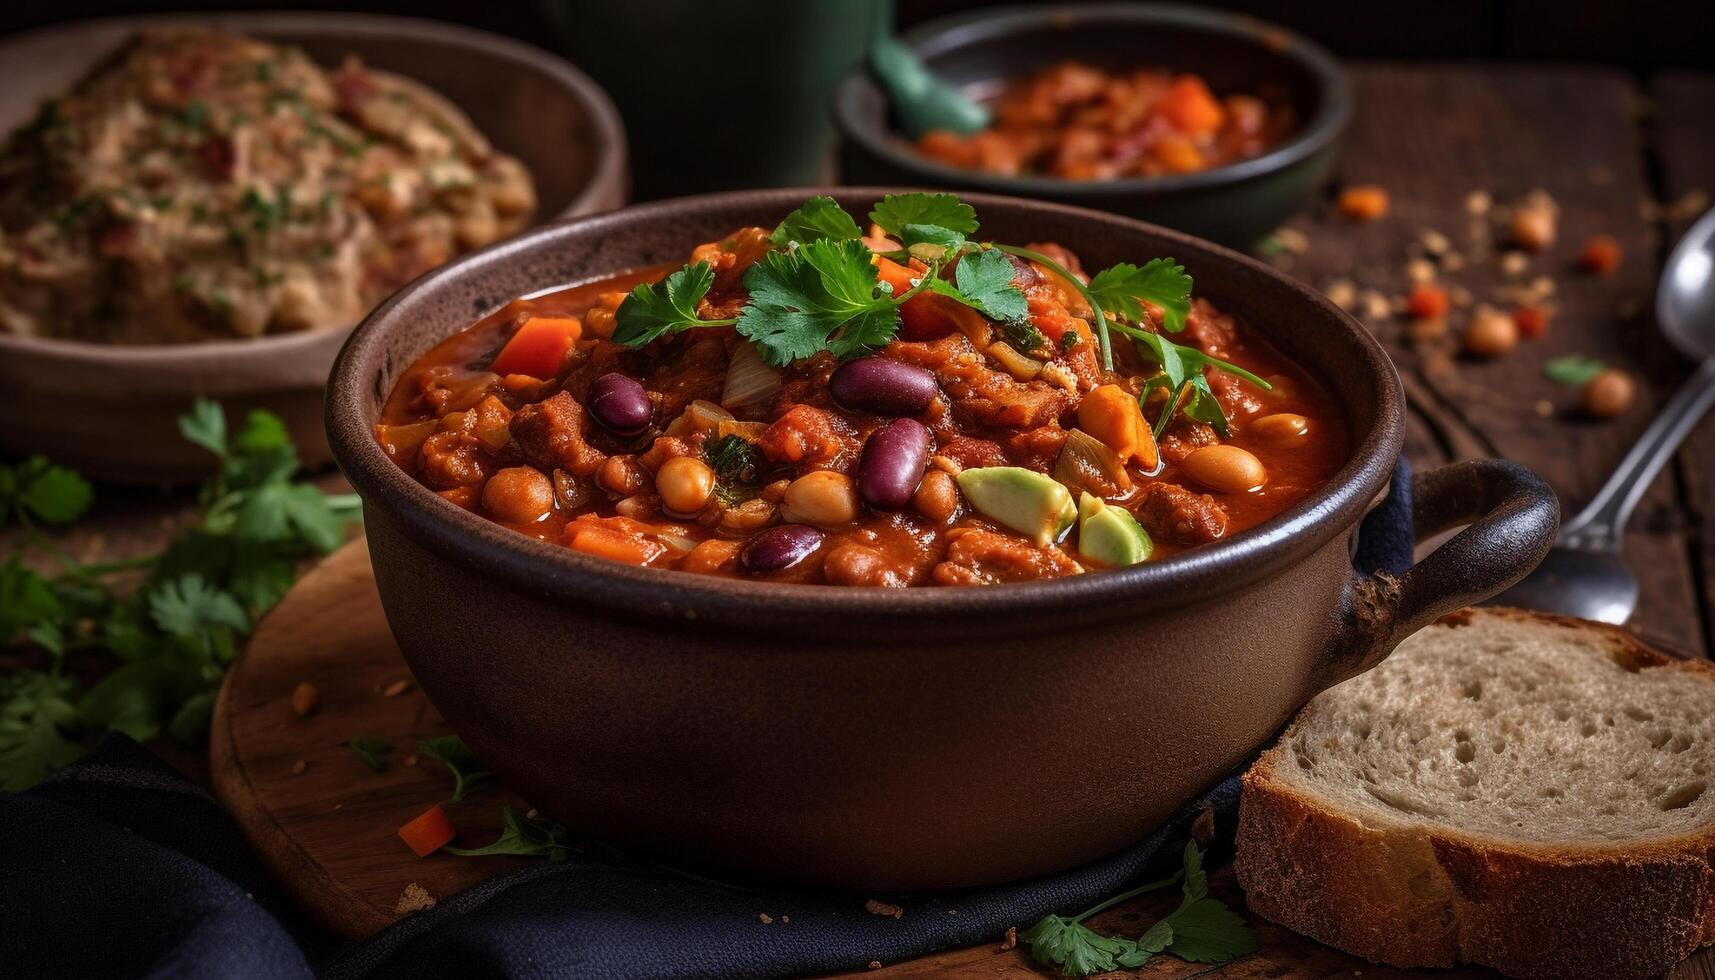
[[1414, 896]]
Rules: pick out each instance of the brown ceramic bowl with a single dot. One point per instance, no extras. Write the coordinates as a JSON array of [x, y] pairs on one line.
[[898, 739], [111, 410]]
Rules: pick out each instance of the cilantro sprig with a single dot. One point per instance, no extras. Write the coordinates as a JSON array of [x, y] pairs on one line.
[[450, 751], [524, 835], [821, 292], [1200, 930], [163, 627]]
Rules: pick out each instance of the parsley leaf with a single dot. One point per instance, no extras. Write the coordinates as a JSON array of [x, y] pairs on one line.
[[1573, 369], [35, 712], [985, 279], [1120, 288], [946, 210], [1200, 930], [668, 306], [372, 751], [820, 296], [451, 752], [818, 218], [525, 835]]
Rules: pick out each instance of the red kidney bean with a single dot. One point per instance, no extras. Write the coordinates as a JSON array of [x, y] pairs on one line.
[[882, 386], [892, 464], [620, 404], [781, 546]]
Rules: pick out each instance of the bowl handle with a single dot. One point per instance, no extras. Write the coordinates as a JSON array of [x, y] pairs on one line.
[[1512, 518]]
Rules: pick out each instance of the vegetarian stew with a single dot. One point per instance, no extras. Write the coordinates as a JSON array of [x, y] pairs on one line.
[[1077, 122], [904, 406]]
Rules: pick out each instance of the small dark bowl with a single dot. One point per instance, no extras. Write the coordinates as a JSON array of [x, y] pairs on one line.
[[1236, 204], [898, 738]]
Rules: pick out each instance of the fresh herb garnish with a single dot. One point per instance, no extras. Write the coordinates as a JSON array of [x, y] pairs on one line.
[[896, 211], [733, 458], [1182, 374], [450, 751], [1573, 369], [372, 750], [524, 835], [170, 638], [1200, 930], [983, 281], [818, 218], [820, 296], [1122, 288], [665, 307]]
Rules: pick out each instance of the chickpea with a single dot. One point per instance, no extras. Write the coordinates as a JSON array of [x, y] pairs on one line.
[[1491, 334], [752, 515], [518, 494], [1609, 393], [775, 491], [1284, 428], [1227, 469], [685, 484], [1533, 227], [824, 498], [937, 497], [621, 476]]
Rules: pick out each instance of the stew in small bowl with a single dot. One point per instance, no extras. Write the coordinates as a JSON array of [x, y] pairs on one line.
[[608, 639]]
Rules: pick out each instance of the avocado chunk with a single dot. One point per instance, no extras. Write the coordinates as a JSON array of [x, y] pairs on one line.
[[1034, 504], [1110, 535]]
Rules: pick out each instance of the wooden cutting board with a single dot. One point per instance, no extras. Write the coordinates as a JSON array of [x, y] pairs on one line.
[[325, 823]]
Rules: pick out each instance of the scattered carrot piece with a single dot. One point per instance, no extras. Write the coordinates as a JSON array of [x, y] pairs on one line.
[[1532, 321], [1601, 255], [429, 832], [539, 347], [1426, 300], [1364, 202]]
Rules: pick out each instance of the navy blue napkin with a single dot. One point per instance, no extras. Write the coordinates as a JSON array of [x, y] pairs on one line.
[[117, 867]]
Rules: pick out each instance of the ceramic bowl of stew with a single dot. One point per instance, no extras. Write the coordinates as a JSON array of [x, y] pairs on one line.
[[928, 736], [1300, 93], [110, 409]]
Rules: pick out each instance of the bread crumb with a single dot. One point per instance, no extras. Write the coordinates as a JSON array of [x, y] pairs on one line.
[[1545, 409], [1514, 264], [299, 767], [1376, 306], [415, 898], [395, 689], [878, 907], [1478, 203], [786, 920], [305, 697], [1434, 242], [1342, 293], [765, 918], [1203, 828], [1420, 270], [1011, 941], [409, 760], [875, 964]]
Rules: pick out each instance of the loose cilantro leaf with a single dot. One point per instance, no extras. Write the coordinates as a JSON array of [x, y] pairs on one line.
[[372, 751], [1200, 930], [451, 751], [205, 426], [668, 306], [820, 296], [1122, 288], [35, 714], [189, 607], [525, 835], [946, 210], [36, 490], [26, 599], [135, 698], [1573, 369], [818, 218]]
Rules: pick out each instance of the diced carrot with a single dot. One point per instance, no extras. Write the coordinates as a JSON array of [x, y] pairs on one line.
[[614, 546], [1532, 321], [1191, 107], [539, 347], [1112, 415], [1365, 202], [429, 832], [1177, 154], [1601, 255], [1426, 301], [922, 317]]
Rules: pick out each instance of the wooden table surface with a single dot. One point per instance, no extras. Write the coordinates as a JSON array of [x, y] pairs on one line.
[[1611, 149]]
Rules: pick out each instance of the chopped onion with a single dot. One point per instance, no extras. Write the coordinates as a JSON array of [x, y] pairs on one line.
[[750, 381], [1016, 364], [1085, 463], [401, 442]]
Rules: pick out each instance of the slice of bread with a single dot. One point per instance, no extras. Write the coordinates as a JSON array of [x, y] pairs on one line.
[[1508, 788]]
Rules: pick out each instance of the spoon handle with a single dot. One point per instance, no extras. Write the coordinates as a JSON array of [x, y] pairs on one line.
[[1599, 525]]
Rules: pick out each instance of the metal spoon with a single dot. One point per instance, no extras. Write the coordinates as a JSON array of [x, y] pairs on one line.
[[1584, 575]]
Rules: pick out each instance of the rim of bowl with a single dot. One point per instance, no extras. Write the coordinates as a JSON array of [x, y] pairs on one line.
[[609, 165], [539, 568], [948, 33]]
